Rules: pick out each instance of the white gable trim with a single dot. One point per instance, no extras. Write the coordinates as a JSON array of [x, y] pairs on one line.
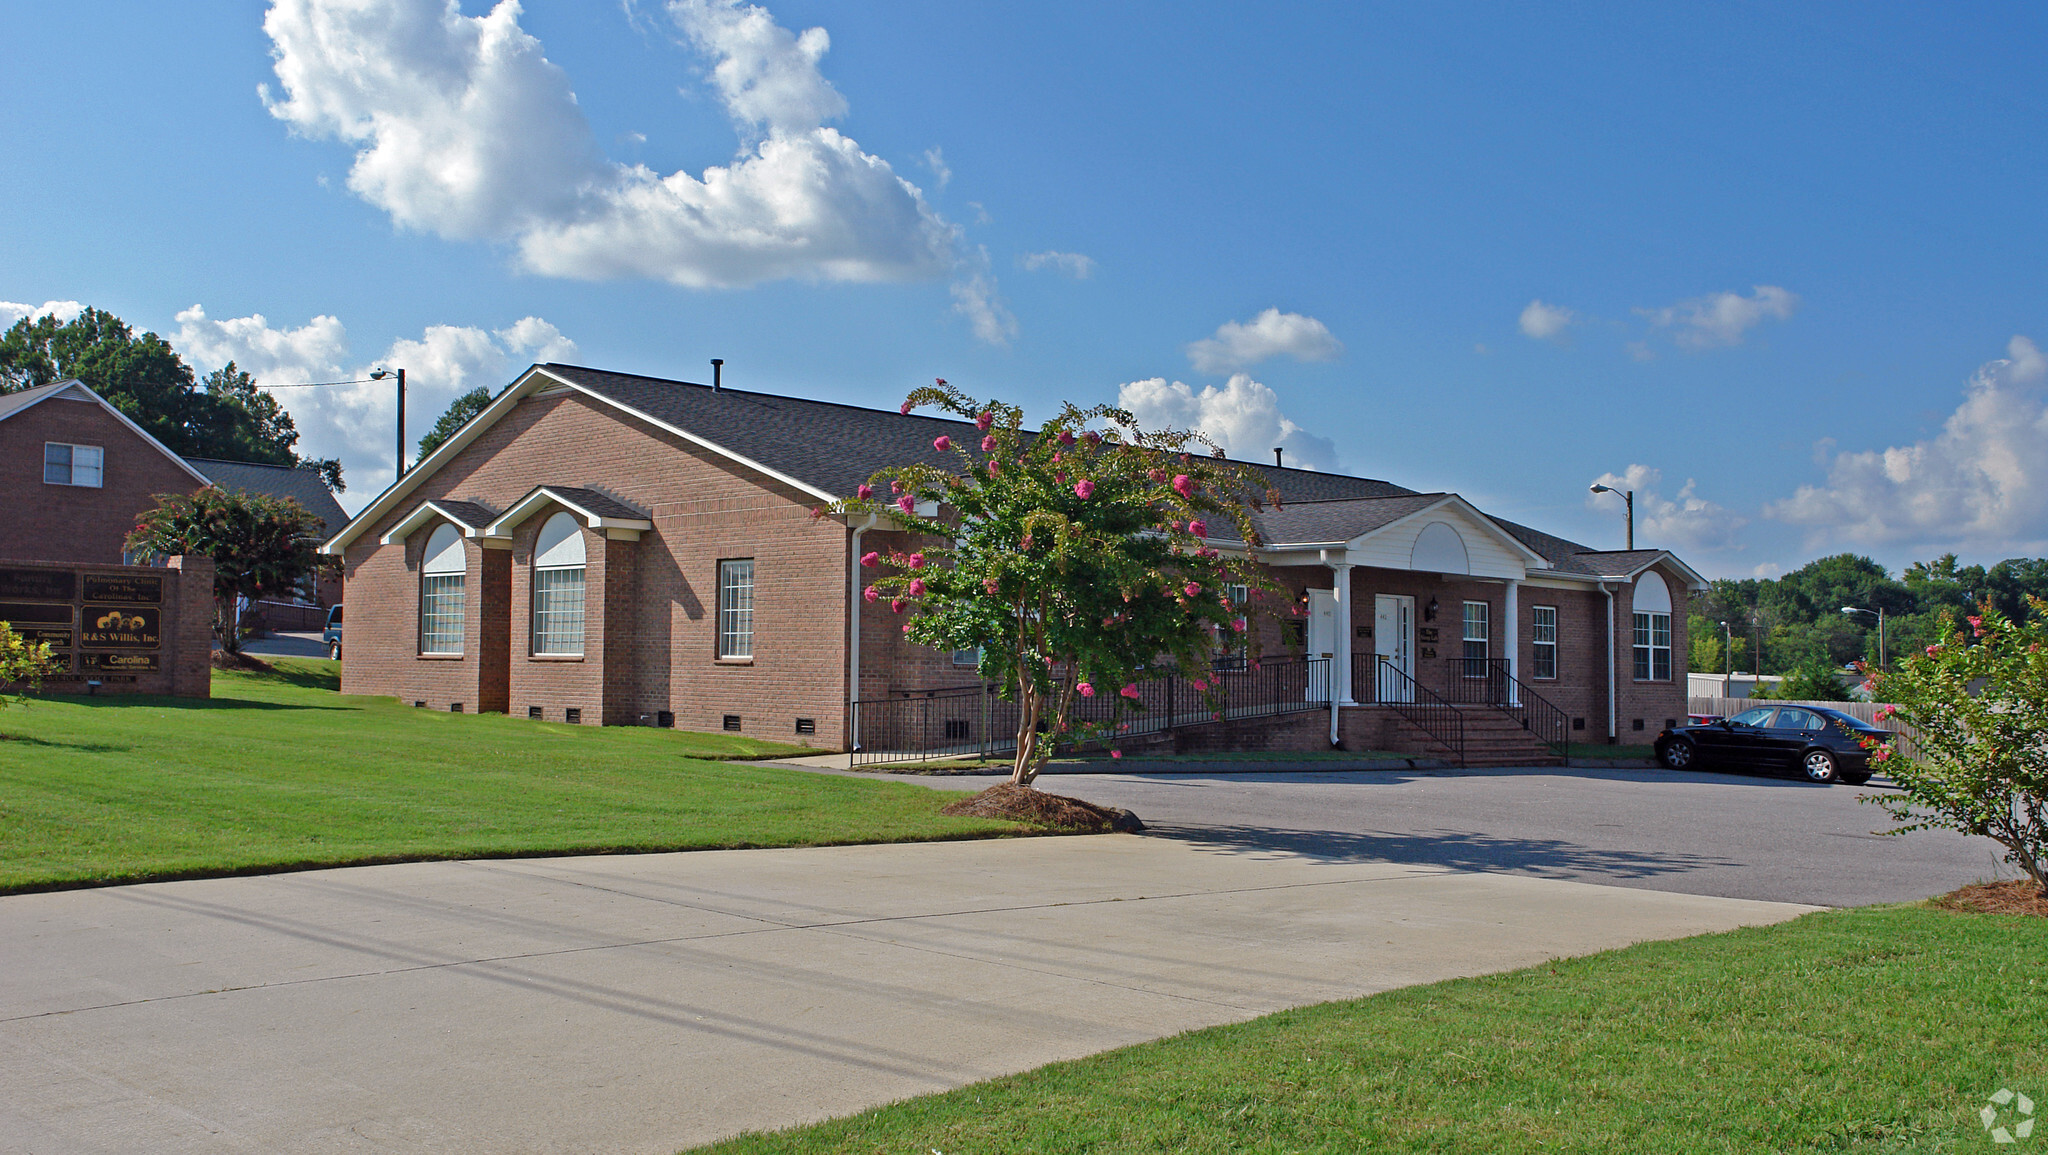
[[533, 502], [535, 380], [1470, 522], [427, 511], [67, 388]]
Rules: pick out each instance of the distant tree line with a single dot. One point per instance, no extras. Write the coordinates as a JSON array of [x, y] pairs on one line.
[[1779, 625], [221, 416]]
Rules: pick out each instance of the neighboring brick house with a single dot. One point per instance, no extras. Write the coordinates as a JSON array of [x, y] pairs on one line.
[[76, 473], [615, 549]]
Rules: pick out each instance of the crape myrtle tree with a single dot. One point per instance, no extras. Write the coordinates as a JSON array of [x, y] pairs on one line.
[[259, 545], [1977, 702], [1076, 559]]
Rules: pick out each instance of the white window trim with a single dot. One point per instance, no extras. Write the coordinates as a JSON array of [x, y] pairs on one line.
[[720, 631], [1465, 635], [1649, 649], [1537, 644], [99, 468]]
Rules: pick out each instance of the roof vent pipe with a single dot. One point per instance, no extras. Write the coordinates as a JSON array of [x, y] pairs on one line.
[[1277, 463], [717, 371]]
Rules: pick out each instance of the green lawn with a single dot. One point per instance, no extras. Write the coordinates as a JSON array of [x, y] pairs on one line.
[[1881, 1029], [279, 771]]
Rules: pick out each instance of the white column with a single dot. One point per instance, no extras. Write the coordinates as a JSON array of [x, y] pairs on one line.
[[1513, 641], [1340, 658]]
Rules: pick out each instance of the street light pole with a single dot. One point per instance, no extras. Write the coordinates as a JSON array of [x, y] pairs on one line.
[[380, 374], [1628, 496], [1878, 613], [1727, 654]]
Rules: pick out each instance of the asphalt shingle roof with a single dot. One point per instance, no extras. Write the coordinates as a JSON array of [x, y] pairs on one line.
[[301, 483], [601, 504], [472, 514], [1311, 522], [836, 447], [22, 399]]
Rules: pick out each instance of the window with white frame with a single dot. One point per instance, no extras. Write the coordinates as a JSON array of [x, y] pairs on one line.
[[736, 608], [1543, 642], [967, 657], [442, 596], [73, 464], [1652, 608], [1478, 618], [558, 588]]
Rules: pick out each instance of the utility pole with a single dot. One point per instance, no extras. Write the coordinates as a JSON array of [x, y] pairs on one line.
[[379, 375]]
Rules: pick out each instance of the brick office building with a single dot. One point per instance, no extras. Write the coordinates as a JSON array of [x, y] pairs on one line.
[[606, 548]]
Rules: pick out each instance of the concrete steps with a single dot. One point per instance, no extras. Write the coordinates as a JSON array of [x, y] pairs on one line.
[[1492, 738]]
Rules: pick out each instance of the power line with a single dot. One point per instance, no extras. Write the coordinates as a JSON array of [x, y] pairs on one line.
[[317, 384]]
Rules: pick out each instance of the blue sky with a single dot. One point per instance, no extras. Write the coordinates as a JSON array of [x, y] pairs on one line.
[[1780, 265]]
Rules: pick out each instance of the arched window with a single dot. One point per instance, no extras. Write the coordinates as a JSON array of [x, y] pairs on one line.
[[558, 587], [1652, 629], [442, 599]]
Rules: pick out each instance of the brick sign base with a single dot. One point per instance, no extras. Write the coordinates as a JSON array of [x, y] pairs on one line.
[[113, 629]]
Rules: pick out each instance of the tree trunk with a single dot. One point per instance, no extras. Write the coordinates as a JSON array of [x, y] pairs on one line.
[[230, 628]]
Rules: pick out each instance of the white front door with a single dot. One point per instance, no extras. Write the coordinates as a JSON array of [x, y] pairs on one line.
[[1322, 639], [1393, 640]]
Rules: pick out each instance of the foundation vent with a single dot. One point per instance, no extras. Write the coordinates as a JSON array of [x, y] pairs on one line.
[[1578, 723], [573, 716], [533, 712], [419, 705], [1638, 725], [806, 725], [732, 722], [455, 707], [666, 719]]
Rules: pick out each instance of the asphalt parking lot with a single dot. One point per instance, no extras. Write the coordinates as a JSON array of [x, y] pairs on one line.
[[1730, 835]]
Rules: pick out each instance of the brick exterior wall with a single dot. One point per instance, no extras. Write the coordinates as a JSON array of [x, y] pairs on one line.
[[650, 641], [77, 523]]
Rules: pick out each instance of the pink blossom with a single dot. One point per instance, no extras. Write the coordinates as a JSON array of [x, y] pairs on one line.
[[1025, 543], [895, 487], [1060, 478], [1116, 753], [1066, 438], [988, 586], [907, 503], [983, 420], [1174, 525], [1933, 650], [1055, 457], [1880, 754], [1084, 489], [871, 593], [1237, 624], [1191, 589], [917, 587], [1218, 715], [941, 381], [1085, 690], [1092, 437], [905, 410], [988, 444], [906, 627], [1157, 475], [992, 470], [1130, 691], [1886, 713], [1200, 684], [898, 605], [1184, 485], [1977, 625], [1199, 528], [870, 559], [942, 443], [914, 561]]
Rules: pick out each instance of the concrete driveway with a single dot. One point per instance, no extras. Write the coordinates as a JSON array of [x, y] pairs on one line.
[[648, 1003]]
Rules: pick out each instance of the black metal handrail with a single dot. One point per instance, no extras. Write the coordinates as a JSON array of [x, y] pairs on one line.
[[974, 721], [1489, 682], [1374, 680]]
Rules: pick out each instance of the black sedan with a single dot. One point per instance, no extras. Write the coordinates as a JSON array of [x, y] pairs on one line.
[[1819, 742]]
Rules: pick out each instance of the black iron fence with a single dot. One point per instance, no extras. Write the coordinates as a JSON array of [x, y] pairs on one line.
[[973, 721]]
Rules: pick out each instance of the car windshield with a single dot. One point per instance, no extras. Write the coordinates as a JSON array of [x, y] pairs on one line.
[[1756, 717]]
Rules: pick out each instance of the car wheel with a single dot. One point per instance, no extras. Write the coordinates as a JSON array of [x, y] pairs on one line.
[[334, 650], [1678, 754], [1819, 766]]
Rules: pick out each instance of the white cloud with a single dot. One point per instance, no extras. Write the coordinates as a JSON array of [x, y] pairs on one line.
[[1240, 345], [355, 422], [1721, 319], [1243, 417], [1074, 265], [465, 129], [935, 159], [64, 311], [1688, 521], [975, 298], [1981, 483], [1545, 322]]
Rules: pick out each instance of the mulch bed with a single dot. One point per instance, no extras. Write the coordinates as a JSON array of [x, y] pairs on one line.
[[1024, 804], [2014, 896], [222, 660]]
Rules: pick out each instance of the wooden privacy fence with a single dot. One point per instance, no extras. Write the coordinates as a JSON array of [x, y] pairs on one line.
[[1863, 711]]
